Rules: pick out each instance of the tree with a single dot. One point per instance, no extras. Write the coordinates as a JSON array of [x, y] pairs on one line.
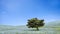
[[35, 23]]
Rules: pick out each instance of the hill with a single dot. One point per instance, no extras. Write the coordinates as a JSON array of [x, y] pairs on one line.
[[6, 27], [54, 24], [50, 28]]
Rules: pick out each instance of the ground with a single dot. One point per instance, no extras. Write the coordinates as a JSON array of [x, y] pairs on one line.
[[25, 30]]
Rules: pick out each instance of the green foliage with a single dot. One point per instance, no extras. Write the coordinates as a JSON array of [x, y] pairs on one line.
[[35, 23], [16, 32]]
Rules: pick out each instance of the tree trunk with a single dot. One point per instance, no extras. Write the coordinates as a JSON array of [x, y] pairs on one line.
[[37, 28]]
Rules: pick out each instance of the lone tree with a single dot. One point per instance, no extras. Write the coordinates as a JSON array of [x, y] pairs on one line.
[[35, 23]]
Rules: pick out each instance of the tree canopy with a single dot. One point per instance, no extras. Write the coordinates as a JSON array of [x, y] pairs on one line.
[[35, 23]]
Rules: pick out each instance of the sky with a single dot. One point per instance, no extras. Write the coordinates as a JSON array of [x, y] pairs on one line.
[[17, 12]]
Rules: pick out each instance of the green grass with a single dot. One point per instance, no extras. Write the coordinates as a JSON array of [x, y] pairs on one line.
[[50, 28], [25, 30]]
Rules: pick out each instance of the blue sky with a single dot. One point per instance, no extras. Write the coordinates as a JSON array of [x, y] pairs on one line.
[[17, 12]]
